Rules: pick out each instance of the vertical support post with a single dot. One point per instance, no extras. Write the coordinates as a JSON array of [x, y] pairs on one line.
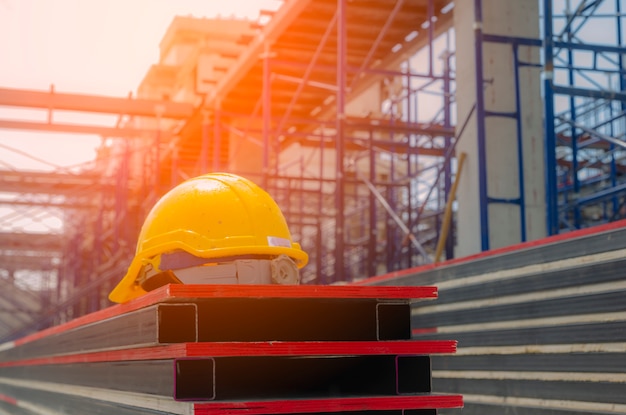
[[480, 126], [123, 222], [622, 87], [217, 138], [157, 157], [93, 303], [78, 268], [174, 173], [409, 162], [620, 57], [613, 170], [371, 246], [520, 146], [552, 218], [204, 149], [393, 246], [319, 246], [301, 200], [121, 197], [431, 35], [339, 140], [573, 129], [145, 173], [447, 122], [267, 101]]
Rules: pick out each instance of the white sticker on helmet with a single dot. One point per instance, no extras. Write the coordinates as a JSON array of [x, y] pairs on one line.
[[276, 241]]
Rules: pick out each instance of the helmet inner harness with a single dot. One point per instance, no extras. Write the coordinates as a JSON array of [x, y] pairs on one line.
[[182, 268]]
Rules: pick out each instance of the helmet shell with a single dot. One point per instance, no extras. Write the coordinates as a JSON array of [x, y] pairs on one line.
[[213, 216]]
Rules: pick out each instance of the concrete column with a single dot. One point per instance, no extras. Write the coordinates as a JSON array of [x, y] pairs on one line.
[[518, 18]]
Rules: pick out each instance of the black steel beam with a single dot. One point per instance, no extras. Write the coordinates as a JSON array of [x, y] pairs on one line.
[[291, 377], [158, 324], [247, 377], [77, 402], [233, 320]]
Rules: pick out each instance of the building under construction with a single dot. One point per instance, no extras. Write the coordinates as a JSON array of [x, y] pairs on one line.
[[477, 146]]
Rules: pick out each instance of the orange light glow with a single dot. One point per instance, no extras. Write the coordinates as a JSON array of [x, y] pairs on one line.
[[89, 47]]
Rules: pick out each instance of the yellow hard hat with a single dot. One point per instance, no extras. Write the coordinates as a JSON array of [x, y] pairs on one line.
[[214, 216]]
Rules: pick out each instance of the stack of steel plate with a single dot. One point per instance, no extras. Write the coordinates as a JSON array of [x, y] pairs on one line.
[[186, 349]]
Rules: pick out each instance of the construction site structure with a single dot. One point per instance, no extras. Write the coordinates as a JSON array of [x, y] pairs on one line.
[[172, 131], [362, 170], [355, 117]]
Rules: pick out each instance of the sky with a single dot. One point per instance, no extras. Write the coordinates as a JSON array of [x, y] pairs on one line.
[[90, 47]]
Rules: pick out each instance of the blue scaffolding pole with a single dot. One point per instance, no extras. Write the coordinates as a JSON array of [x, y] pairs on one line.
[[552, 218], [480, 126]]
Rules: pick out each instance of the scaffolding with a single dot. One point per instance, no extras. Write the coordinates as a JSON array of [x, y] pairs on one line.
[[585, 104], [363, 187], [358, 184], [583, 84]]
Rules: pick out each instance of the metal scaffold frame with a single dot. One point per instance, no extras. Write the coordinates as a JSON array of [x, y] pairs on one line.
[[96, 203], [379, 210], [326, 207], [585, 104], [376, 210], [583, 94], [392, 195], [379, 207]]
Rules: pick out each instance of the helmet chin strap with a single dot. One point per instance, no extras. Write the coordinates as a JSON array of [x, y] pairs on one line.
[[160, 279]]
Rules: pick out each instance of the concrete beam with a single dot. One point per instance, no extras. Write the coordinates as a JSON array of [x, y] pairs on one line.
[[30, 241], [20, 262], [93, 103], [50, 183], [121, 132]]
